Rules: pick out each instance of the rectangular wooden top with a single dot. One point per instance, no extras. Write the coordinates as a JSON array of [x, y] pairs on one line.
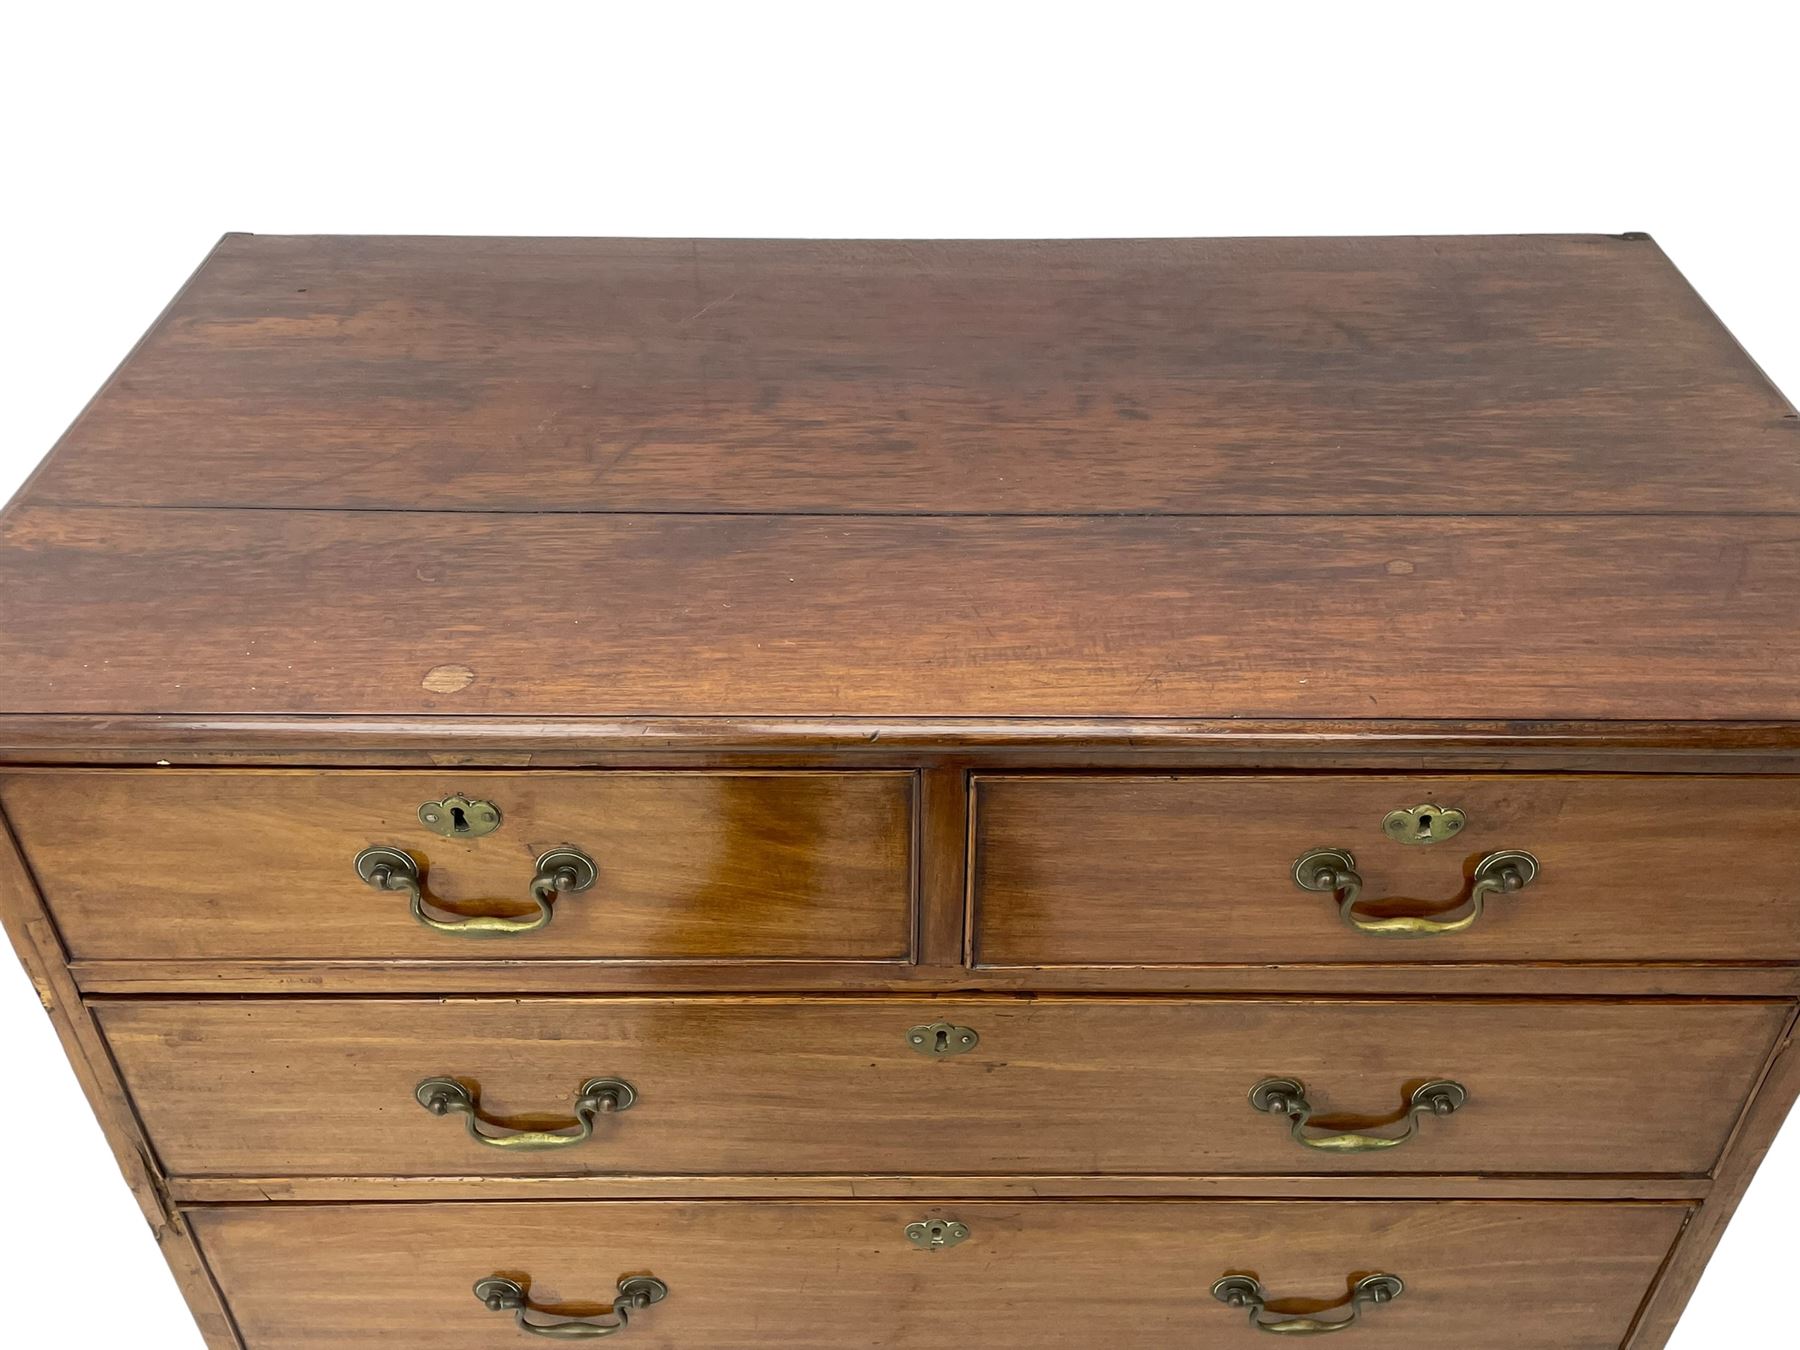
[[1441, 478]]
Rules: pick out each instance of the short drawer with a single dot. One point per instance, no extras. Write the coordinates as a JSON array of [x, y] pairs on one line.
[[1179, 871], [687, 866], [1032, 1276], [837, 1085]]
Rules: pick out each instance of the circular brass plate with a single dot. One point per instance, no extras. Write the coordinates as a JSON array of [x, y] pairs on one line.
[[395, 861], [1454, 1096], [1266, 1094], [572, 859], [623, 1094], [1308, 865], [499, 1293], [643, 1289], [1494, 863], [448, 1089], [1238, 1290], [1381, 1288]]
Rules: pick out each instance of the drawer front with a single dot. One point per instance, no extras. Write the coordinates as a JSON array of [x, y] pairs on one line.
[[775, 1086], [1197, 871], [839, 1275], [690, 866]]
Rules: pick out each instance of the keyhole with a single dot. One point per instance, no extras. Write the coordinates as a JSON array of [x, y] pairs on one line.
[[459, 820], [1425, 824], [943, 1041]]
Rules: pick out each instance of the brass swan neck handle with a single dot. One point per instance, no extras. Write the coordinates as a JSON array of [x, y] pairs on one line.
[[1287, 1097], [636, 1292], [1245, 1292], [559, 871], [1333, 871], [595, 1098]]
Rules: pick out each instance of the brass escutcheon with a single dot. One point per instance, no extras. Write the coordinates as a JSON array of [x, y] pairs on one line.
[[941, 1040], [934, 1234], [1423, 824], [458, 817]]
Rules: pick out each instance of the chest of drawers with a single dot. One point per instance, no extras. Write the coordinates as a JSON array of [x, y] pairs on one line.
[[816, 796]]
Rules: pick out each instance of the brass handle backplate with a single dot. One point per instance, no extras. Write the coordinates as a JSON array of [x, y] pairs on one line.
[[1333, 871], [636, 1292], [1242, 1291], [1287, 1097], [597, 1097], [560, 870]]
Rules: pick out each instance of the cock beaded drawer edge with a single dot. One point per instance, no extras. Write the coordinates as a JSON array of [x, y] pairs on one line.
[[817, 795]]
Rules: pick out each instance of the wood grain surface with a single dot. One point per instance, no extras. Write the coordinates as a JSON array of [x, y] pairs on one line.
[[841, 1275], [964, 1186], [1197, 870], [408, 613], [989, 743], [1448, 979], [822, 1085], [692, 866], [1268, 376]]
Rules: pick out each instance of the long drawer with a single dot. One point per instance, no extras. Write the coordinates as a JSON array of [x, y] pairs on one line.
[[977, 1085], [1143, 870], [686, 866], [1031, 1276]]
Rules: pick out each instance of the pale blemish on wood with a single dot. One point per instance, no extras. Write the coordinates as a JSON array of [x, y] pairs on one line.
[[448, 679]]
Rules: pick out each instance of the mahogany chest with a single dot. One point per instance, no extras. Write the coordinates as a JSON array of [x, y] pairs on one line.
[[821, 795]]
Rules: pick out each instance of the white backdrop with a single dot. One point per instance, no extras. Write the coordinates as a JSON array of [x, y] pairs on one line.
[[135, 135]]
